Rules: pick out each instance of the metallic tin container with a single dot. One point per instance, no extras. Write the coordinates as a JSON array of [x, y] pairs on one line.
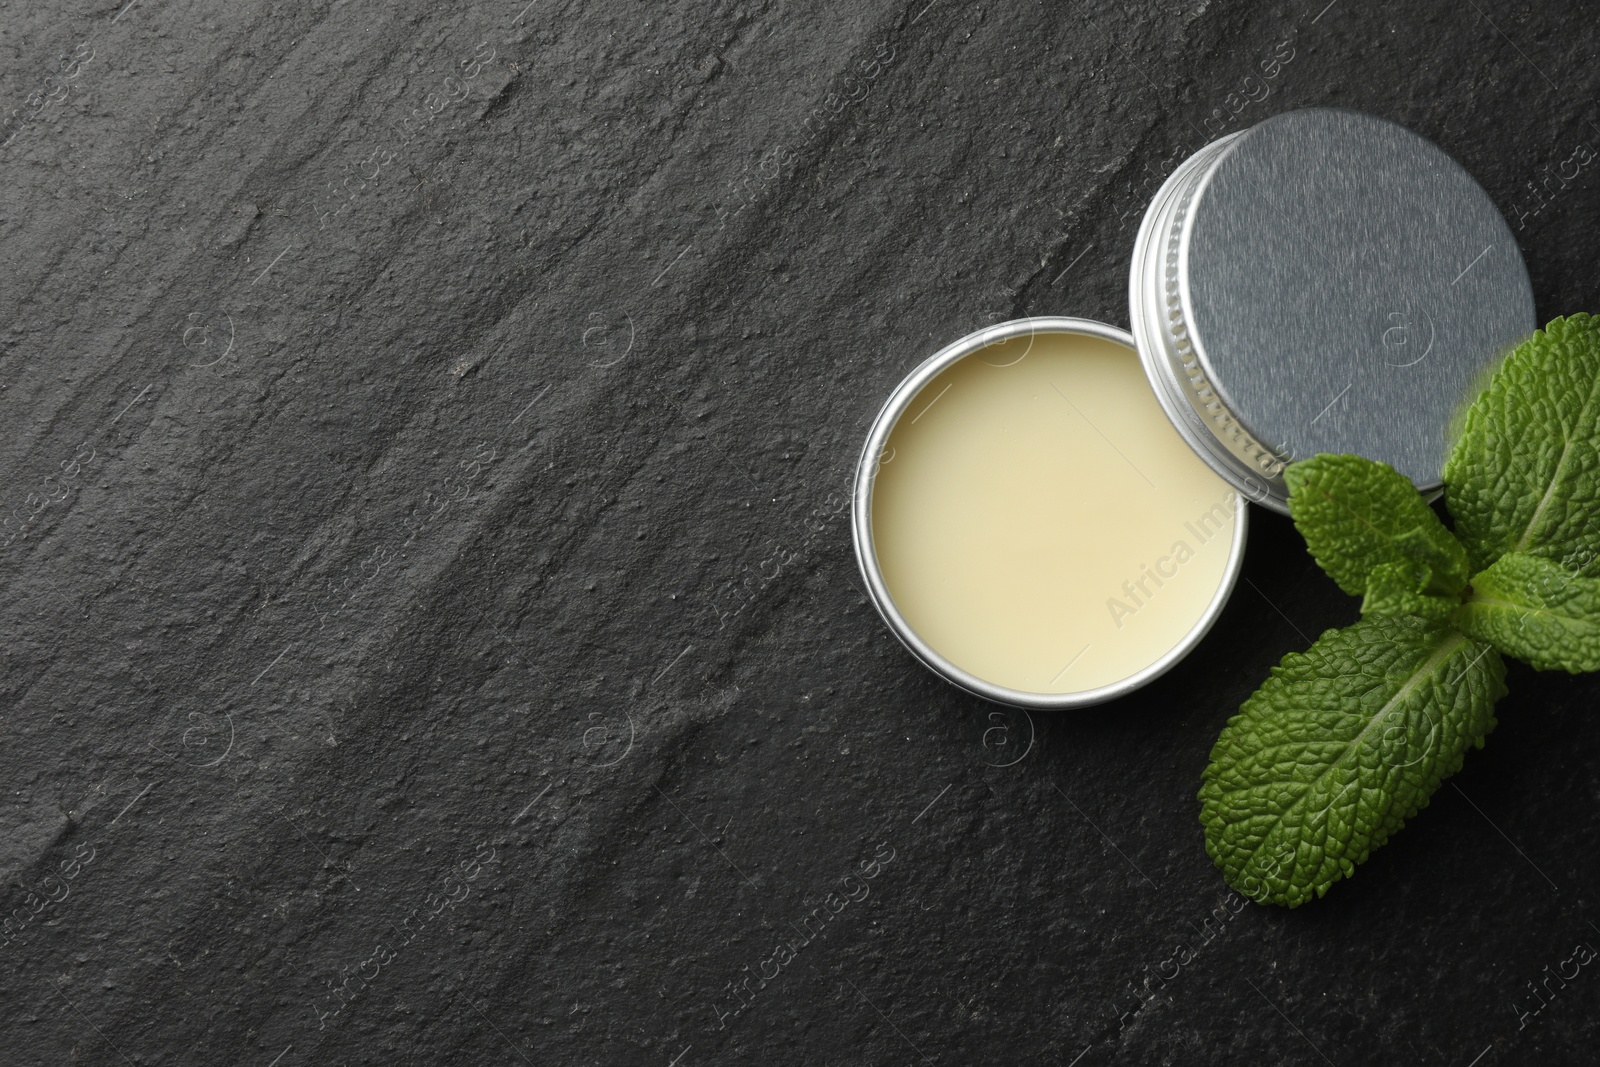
[[866, 554], [1324, 281]]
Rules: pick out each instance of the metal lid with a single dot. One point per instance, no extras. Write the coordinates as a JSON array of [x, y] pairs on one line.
[[1325, 281]]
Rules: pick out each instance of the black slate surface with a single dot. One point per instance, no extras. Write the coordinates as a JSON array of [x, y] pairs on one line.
[[432, 632]]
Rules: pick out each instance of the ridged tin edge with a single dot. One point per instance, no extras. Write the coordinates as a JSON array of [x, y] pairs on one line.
[[1161, 335]]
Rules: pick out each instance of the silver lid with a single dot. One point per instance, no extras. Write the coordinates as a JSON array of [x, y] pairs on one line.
[[1324, 281]]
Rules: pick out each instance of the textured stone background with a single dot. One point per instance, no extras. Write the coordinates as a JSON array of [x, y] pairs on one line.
[[431, 628]]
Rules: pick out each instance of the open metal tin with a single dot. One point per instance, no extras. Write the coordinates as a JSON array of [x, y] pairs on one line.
[[866, 553], [1324, 281]]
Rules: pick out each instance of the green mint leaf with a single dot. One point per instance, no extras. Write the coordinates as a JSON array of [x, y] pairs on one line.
[[1338, 748], [1356, 515], [1524, 476], [1399, 589], [1536, 610]]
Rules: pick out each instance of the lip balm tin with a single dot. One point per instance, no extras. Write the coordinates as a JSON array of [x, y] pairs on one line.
[[904, 396], [1324, 281]]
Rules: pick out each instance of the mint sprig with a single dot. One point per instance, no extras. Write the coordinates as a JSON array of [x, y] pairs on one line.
[[1345, 742]]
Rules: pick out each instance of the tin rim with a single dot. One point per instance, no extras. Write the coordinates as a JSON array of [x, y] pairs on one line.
[[1172, 362], [866, 552]]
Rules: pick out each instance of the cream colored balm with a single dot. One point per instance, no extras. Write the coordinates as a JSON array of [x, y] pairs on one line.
[[1040, 523]]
